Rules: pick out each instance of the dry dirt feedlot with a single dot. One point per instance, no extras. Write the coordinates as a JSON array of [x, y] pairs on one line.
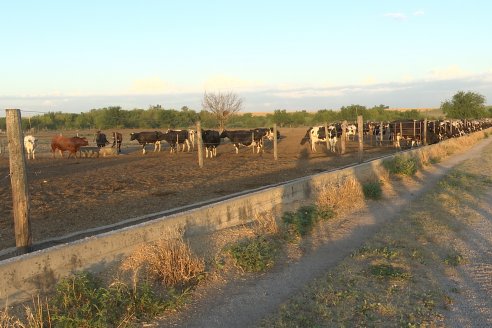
[[71, 195]]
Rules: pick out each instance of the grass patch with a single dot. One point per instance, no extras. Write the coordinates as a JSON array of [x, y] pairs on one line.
[[454, 260], [82, 301], [302, 221], [372, 190], [388, 271], [368, 251], [254, 254], [402, 165]]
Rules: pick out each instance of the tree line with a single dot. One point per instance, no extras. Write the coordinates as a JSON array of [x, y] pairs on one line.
[[463, 105]]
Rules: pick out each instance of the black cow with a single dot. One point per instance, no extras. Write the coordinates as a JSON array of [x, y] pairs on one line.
[[176, 137], [211, 140], [144, 138], [101, 140], [117, 140]]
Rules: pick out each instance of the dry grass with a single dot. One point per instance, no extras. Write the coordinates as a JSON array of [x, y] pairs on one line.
[[341, 196], [168, 261], [9, 321], [38, 316], [265, 223]]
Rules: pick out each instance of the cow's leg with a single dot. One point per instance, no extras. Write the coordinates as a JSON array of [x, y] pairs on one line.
[[237, 148], [187, 142], [215, 151]]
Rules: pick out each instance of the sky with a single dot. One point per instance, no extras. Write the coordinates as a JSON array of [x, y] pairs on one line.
[[73, 56]]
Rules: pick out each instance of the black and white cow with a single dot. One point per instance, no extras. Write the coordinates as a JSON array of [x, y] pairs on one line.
[[175, 138], [211, 140], [144, 138], [246, 138], [317, 134], [189, 140]]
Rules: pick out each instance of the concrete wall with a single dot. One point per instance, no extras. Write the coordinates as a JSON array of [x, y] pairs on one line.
[[26, 275]]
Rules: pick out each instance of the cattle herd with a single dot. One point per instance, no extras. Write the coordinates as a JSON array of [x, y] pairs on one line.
[[409, 133]]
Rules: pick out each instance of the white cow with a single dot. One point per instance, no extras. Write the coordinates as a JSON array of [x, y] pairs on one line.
[[30, 144]]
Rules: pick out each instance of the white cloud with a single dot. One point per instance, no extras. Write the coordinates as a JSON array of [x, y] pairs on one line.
[[152, 85], [396, 16], [222, 82], [419, 13], [448, 73]]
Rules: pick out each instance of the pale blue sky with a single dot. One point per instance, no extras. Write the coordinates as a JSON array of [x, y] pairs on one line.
[[73, 56]]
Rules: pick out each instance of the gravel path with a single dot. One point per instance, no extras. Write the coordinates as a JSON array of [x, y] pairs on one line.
[[243, 302]]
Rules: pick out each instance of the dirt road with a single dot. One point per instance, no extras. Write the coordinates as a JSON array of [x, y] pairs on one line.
[[245, 301]]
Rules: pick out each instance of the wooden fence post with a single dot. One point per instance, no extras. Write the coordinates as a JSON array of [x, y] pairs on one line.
[[425, 132], [344, 136], [199, 143], [326, 136], [360, 129], [18, 179], [275, 154]]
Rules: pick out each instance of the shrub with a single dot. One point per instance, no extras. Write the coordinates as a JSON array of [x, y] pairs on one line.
[[340, 196], [372, 190], [402, 165], [168, 261], [302, 221], [81, 301], [254, 255]]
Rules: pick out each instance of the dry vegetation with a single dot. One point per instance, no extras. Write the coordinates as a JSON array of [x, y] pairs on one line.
[[392, 281]]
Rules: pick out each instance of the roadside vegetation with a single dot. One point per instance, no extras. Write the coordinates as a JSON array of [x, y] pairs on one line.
[[391, 281], [400, 278]]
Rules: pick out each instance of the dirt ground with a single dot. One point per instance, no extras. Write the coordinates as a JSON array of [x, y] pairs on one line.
[[246, 300], [71, 195]]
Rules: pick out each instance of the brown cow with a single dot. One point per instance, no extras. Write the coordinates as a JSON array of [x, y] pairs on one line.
[[71, 144]]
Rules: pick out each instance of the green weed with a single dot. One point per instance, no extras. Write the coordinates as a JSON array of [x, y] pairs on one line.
[[254, 255], [302, 221], [372, 190], [402, 165], [388, 271]]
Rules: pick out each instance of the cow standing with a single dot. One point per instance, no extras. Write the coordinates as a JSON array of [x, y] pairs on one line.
[[317, 134], [211, 140], [117, 140], [72, 145], [30, 144], [144, 138], [101, 140], [175, 138]]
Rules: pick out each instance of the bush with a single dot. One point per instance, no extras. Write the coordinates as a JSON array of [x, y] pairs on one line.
[[402, 165], [81, 301], [372, 190], [254, 255], [302, 221]]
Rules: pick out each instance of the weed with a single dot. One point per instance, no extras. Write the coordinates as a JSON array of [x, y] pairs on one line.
[[434, 159], [302, 221], [81, 301], [402, 165], [454, 259], [372, 190], [386, 252], [388, 271], [254, 255], [485, 135]]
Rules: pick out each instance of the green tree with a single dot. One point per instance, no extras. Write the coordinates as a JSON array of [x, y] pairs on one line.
[[465, 105]]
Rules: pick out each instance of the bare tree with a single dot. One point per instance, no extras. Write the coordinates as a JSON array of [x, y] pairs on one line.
[[222, 105]]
